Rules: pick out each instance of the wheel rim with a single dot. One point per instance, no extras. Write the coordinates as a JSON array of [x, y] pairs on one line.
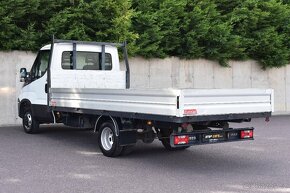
[[28, 121], [107, 138]]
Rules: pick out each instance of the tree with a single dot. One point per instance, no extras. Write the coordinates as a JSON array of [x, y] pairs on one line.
[[215, 29], [263, 27], [94, 21], [17, 28], [205, 34]]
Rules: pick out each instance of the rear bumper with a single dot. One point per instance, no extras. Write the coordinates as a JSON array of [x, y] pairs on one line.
[[210, 136]]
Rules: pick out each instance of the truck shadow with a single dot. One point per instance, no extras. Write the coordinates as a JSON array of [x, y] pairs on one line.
[[201, 159], [75, 137]]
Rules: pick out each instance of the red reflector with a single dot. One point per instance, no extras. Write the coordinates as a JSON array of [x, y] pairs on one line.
[[247, 134], [181, 139]]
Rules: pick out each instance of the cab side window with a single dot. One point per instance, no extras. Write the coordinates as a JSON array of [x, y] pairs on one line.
[[40, 65]]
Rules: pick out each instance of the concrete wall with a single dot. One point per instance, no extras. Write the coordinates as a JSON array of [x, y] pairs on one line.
[[176, 73], [159, 73], [10, 64]]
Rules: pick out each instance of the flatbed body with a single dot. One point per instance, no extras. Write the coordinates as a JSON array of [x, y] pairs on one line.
[[173, 105]]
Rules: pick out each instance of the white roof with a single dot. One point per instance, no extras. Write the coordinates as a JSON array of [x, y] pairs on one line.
[[46, 47]]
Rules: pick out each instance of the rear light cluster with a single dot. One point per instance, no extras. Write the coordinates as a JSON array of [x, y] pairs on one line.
[[181, 139], [245, 134]]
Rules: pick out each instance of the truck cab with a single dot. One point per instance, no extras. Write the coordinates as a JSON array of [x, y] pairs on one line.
[[33, 95], [87, 72]]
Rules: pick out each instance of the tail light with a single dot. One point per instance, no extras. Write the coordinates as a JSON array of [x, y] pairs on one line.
[[247, 134], [181, 139]]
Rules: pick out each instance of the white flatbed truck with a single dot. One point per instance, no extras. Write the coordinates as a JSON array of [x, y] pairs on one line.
[[80, 84]]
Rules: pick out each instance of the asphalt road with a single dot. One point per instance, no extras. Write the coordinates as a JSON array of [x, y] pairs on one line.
[[61, 159]]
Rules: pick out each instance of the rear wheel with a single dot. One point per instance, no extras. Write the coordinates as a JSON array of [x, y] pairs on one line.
[[108, 140], [30, 124]]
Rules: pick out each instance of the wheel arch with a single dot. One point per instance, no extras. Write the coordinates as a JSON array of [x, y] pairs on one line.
[[102, 119], [25, 103]]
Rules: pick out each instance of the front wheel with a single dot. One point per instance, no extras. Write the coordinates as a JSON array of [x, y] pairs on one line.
[[30, 124], [108, 140]]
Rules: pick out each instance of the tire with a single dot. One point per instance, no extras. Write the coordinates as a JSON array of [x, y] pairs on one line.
[[166, 143], [108, 141], [30, 124]]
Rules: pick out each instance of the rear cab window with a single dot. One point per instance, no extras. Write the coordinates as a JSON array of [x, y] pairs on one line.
[[86, 61]]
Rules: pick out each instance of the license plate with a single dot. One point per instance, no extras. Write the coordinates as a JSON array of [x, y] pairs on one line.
[[214, 137]]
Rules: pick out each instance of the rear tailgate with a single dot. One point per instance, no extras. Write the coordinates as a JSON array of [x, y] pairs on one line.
[[201, 102]]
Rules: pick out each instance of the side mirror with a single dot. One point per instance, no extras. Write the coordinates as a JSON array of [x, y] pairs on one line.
[[23, 74]]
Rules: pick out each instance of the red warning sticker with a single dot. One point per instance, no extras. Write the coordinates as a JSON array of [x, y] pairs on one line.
[[190, 111]]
